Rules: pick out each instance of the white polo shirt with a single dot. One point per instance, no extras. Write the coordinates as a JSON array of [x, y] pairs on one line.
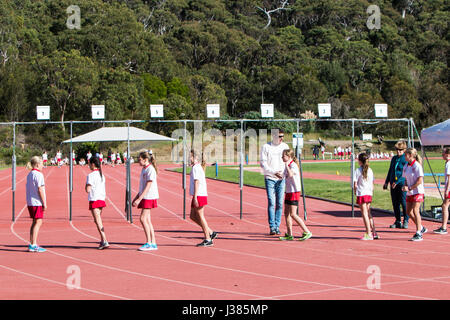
[[364, 187], [148, 173], [293, 183], [412, 172], [197, 173], [35, 179], [97, 183]]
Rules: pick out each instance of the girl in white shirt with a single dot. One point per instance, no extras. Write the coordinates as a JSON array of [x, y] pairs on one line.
[[292, 196], [36, 200], [363, 189], [446, 202], [199, 193], [147, 198], [415, 191], [95, 187]]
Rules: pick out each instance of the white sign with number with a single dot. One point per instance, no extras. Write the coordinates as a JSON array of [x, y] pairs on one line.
[[43, 112], [98, 112], [324, 110], [267, 110], [213, 110], [381, 110], [156, 111]]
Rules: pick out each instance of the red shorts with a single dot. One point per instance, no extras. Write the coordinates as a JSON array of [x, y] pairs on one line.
[[415, 198], [448, 196], [292, 196], [202, 201], [96, 204], [363, 199], [36, 212], [45, 161], [59, 160], [148, 204]]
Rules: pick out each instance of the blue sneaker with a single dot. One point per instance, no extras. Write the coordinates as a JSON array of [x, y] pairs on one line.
[[35, 248], [148, 247]]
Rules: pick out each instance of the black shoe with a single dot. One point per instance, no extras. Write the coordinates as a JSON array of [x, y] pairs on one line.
[[205, 243], [396, 224], [278, 231], [405, 225], [424, 230], [440, 231], [417, 237], [213, 235], [272, 232]]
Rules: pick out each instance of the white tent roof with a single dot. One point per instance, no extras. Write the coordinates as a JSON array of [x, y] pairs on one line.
[[108, 134], [437, 135]]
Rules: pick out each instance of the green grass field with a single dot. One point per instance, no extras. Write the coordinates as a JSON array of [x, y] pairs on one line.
[[327, 189]]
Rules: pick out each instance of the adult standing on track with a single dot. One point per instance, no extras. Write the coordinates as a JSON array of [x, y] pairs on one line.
[[396, 181], [273, 166]]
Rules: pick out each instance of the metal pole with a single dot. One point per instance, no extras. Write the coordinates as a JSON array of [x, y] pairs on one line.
[[70, 174], [14, 174], [409, 133], [241, 168], [301, 176], [130, 207], [352, 168], [184, 171]]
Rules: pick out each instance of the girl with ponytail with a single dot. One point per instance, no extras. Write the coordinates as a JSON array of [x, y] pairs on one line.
[[198, 191], [363, 189], [292, 196], [147, 197], [415, 191], [95, 187]]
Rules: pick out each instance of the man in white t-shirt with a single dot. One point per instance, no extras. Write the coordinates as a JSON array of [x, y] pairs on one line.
[[273, 168]]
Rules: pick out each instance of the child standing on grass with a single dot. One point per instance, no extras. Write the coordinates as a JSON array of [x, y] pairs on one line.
[[36, 200], [147, 197], [446, 202], [415, 191], [363, 189], [198, 191], [292, 196], [95, 187]]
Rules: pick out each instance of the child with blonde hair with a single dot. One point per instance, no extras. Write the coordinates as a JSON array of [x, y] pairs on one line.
[[415, 191], [36, 200], [292, 196]]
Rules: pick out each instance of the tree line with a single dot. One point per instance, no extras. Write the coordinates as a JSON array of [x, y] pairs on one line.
[[238, 53]]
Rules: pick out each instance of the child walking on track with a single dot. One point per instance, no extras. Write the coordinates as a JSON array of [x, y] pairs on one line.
[[36, 200], [446, 203], [198, 191], [363, 189], [95, 187], [147, 197], [415, 191], [292, 196]]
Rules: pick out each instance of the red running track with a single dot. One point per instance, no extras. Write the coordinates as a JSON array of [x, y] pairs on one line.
[[245, 262]]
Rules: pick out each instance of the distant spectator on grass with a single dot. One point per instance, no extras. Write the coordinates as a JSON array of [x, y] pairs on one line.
[[396, 182], [273, 166]]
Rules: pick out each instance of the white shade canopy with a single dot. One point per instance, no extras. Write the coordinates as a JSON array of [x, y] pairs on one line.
[[108, 134], [437, 135]]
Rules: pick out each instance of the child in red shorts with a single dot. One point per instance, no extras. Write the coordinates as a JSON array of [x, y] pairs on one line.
[[198, 191], [36, 200], [95, 187], [292, 196], [147, 197], [363, 189]]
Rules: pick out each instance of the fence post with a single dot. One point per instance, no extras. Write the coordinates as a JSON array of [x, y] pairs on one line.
[[352, 168], [71, 172], [13, 174]]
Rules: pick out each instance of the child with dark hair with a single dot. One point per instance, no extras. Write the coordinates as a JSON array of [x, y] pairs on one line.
[[95, 187]]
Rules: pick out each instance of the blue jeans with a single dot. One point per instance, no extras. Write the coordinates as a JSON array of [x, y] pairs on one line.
[[275, 197]]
